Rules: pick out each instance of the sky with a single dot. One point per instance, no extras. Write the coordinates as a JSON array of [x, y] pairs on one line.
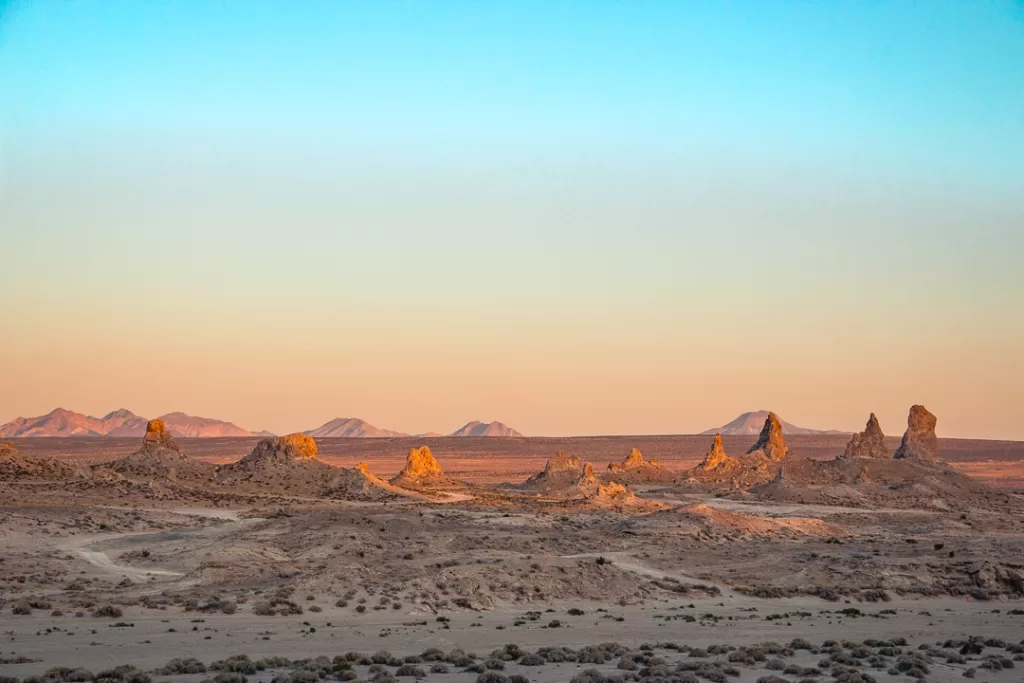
[[575, 217]]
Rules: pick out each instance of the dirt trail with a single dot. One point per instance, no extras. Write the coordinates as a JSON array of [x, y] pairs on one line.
[[101, 560], [627, 562]]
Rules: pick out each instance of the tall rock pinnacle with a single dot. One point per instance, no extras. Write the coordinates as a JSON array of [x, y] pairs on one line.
[[770, 442]]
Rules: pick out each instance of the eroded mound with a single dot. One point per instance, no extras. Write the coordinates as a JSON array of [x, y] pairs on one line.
[[617, 497], [281, 464], [14, 466], [759, 526], [637, 470], [159, 458], [358, 483]]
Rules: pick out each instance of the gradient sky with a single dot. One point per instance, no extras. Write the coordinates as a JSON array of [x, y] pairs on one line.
[[575, 217]]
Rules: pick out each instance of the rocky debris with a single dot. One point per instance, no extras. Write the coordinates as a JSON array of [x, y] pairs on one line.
[[771, 443], [919, 441], [158, 437], [997, 578], [716, 458], [868, 444], [15, 466], [563, 475]]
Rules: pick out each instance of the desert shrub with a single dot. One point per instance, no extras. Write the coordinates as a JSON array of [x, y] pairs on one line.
[[411, 670], [229, 677], [240, 664], [438, 668], [22, 608], [775, 665], [491, 677], [181, 665], [9, 679], [383, 677], [432, 654], [108, 612], [589, 676], [771, 679], [712, 674], [532, 659], [557, 654], [123, 674], [385, 657]]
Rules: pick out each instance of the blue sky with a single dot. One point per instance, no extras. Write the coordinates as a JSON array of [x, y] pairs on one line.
[[575, 170]]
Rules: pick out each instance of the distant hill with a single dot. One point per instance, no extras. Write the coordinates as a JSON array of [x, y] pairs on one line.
[[476, 428], [750, 424], [61, 422], [350, 427]]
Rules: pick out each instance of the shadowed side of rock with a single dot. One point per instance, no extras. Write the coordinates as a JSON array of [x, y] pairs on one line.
[[919, 441], [771, 442]]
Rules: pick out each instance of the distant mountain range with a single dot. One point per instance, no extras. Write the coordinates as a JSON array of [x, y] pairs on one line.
[[750, 424], [476, 428], [125, 423], [351, 427], [61, 422]]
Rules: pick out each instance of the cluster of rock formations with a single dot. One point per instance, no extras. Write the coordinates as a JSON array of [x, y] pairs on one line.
[[288, 465], [563, 474]]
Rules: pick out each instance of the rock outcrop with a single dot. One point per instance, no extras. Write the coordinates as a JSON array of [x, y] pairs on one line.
[[420, 464], [422, 471], [615, 496], [770, 442], [716, 458], [282, 449], [868, 444], [283, 464], [635, 469], [158, 437], [919, 441]]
